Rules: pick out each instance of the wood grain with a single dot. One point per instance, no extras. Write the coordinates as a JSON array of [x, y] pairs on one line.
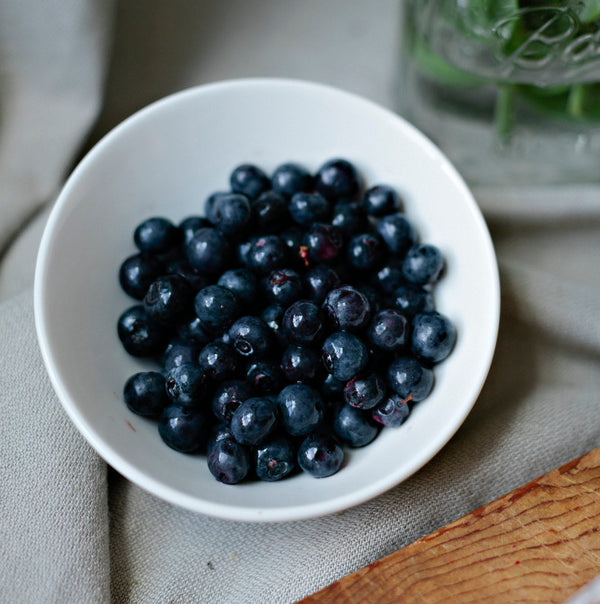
[[539, 543]]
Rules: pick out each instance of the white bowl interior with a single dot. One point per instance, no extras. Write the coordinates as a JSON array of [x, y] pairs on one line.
[[166, 160]]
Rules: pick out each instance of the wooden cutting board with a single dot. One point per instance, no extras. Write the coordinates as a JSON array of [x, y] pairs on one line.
[[539, 543]]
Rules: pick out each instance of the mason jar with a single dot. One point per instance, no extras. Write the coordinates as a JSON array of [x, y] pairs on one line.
[[509, 89]]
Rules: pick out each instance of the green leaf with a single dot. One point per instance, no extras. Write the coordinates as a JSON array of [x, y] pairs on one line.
[[590, 11]]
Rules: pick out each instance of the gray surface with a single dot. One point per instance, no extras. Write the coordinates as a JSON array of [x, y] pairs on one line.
[[70, 535]]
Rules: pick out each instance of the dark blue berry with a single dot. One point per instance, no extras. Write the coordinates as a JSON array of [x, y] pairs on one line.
[[332, 387], [272, 315], [211, 205], [270, 213], [338, 179], [344, 355], [389, 277], [140, 336], [219, 361], [243, 283], [190, 330], [300, 364], [323, 243], [290, 178], [408, 378], [185, 385], [232, 214], [364, 391], [137, 273], [389, 330], [320, 455], [180, 266], [228, 396], [349, 217], [347, 308], [433, 337], [254, 420], [308, 208], [365, 251], [283, 286], [320, 281], [302, 323], [392, 412], [249, 180], [275, 459], [184, 429], [250, 336], [397, 233], [217, 308], [228, 461], [190, 225], [168, 298], [301, 409], [179, 352], [144, 393], [156, 235], [266, 254], [265, 376], [354, 427], [208, 251], [423, 264], [412, 299], [381, 200]]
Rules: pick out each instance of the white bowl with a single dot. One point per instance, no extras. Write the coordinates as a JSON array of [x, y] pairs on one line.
[[165, 160]]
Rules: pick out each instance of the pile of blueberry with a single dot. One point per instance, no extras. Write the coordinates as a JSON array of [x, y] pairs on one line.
[[292, 320]]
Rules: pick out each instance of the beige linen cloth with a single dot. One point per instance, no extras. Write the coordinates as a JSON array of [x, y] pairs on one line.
[[73, 530]]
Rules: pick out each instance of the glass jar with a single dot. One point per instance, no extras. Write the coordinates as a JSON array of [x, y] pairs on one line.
[[508, 89]]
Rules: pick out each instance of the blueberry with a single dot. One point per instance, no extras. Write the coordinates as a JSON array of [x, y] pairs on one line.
[[389, 330], [218, 361], [272, 315], [179, 352], [347, 308], [423, 264], [137, 273], [332, 387], [353, 427], [301, 409], [266, 254], [183, 428], [140, 336], [232, 214], [190, 330], [364, 391], [228, 461], [190, 225], [381, 200], [300, 364], [323, 243], [228, 396], [180, 266], [168, 298], [302, 323], [208, 251], [308, 208], [433, 337], [365, 251], [156, 235], [275, 459], [211, 205], [389, 277], [185, 385], [408, 378], [254, 420], [217, 308], [265, 376], [270, 213], [412, 299], [392, 411], [221, 431], [243, 283], [320, 281], [337, 179], [249, 180], [397, 233], [349, 217], [320, 455], [144, 393], [344, 355], [284, 286], [290, 178], [250, 336]]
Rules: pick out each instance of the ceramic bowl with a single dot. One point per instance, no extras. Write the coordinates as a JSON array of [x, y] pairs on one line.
[[165, 160]]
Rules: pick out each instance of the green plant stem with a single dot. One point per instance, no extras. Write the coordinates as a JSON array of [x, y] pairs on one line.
[[575, 100], [504, 111]]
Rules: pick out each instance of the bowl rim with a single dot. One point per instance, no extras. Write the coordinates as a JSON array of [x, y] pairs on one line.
[[155, 486]]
